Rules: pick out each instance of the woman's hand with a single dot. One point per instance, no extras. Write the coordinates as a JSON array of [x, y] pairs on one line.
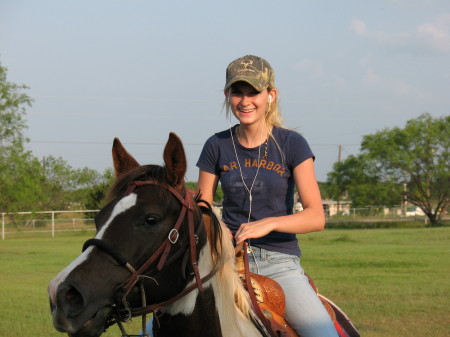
[[255, 229]]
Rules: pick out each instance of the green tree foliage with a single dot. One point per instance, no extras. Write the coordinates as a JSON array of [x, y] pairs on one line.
[[28, 184], [12, 112], [418, 156], [356, 178], [95, 193], [16, 166], [218, 195], [324, 190]]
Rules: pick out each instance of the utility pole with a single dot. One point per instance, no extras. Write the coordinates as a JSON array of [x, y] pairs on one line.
[[43, 166], [339, 160], [404, 200]]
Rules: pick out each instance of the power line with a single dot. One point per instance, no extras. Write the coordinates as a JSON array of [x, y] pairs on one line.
[[100, 143], [145, 143]]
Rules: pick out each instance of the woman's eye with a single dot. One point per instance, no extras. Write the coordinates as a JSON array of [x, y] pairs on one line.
[[152, 220]]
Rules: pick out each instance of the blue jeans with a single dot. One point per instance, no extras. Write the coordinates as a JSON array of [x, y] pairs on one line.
[[148, 327], [304, 311]]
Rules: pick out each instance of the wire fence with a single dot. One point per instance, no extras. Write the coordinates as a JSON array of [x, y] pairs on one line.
[[50, 222], [54, 222]]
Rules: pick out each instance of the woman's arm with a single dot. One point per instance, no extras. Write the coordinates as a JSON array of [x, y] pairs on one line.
[[206, 186], [311, 219]]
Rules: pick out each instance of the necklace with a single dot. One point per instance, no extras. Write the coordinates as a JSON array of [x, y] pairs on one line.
[[249, 190], [266, 144]]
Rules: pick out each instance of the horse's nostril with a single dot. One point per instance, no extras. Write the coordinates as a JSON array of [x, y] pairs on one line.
[[73, 301], [71, 295]]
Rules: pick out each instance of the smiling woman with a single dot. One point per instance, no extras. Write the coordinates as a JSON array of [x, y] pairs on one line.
[[259, 163]]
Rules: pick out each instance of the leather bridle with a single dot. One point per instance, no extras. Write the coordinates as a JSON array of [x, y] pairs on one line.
[[159, 257]]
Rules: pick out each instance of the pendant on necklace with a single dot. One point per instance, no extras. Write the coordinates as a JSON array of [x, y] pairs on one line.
[[265, 148]]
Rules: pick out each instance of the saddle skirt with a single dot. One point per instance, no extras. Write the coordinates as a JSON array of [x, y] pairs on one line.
[[271, 300]]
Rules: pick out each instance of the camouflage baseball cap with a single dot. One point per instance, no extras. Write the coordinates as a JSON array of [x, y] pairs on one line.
[[251, 69]]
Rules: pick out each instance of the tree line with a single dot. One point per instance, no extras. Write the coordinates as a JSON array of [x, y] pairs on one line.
[[28, 183], [410, 163]]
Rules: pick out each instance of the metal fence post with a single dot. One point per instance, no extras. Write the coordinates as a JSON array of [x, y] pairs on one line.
[[3, 226]]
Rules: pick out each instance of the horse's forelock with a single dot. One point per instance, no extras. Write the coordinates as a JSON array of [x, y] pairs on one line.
[[142, 173]]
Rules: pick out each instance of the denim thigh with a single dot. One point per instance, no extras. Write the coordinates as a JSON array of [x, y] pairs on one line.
[[304, 310]]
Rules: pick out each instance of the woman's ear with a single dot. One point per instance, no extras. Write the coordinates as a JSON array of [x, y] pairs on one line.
[[273, 93], [227, 95]]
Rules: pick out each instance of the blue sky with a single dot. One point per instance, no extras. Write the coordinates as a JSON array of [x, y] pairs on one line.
[[138, 70]]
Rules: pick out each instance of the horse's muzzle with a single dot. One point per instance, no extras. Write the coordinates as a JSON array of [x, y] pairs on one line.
[[71, 315]]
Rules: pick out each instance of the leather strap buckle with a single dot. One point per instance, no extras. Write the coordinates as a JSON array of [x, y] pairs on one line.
[[177, 235]]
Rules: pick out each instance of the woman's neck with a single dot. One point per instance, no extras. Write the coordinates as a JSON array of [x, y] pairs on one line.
[[251, 136]]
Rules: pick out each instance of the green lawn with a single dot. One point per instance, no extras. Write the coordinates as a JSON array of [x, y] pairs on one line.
[[391, 282]]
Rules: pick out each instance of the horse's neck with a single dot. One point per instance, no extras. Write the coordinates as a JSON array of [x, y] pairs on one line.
[[216, 301], [202, 321]]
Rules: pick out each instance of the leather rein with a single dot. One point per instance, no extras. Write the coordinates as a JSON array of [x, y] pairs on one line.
[[160, 257]]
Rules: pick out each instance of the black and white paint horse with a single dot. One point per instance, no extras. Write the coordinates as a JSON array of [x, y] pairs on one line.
[[155, 251]]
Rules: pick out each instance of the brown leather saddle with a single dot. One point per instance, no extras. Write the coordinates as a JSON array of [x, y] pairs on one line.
[[268, 301]]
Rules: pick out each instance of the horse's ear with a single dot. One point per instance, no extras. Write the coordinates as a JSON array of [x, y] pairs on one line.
[[123, 161], [175, 160]]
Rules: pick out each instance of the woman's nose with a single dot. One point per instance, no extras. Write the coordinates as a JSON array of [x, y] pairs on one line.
[[245, 100]]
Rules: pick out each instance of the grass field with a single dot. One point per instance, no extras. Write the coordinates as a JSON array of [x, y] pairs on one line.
[[391, 282]]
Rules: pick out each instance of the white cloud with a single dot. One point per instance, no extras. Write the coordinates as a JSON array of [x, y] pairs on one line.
[[436, 34], [314, 71], [340, 81], [403, 88], [371, 78], [359, 27], [433, 36], [392, 85], [310, 67]]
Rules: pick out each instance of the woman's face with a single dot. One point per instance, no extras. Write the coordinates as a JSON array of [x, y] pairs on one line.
[[249, 106]]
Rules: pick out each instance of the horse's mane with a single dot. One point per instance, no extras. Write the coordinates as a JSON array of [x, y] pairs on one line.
[[235, 309]]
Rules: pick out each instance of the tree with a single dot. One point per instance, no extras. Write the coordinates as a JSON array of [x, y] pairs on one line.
[[95, 194], [418, 156], [355, 177], [12, 112], [28, 184], [15, 163]]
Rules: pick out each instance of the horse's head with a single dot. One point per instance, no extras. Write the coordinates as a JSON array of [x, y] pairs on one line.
[[150, 222]]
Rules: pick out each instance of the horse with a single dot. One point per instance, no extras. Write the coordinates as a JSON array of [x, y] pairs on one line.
[[155, 251]]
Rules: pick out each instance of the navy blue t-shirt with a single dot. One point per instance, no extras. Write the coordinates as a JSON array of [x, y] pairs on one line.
[[273, 189]]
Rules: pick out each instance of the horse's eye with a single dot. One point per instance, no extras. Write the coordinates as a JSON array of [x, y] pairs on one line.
[[152, 220]]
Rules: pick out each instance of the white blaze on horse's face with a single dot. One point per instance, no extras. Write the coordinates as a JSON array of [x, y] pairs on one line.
[[122, 206]]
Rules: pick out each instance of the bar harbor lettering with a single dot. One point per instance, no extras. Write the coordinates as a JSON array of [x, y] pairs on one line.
[[264, 164]]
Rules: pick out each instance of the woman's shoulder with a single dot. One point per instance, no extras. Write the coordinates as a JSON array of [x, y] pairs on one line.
[[288, 135]]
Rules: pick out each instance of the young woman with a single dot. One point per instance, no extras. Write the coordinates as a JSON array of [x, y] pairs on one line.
[[259, 163]]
